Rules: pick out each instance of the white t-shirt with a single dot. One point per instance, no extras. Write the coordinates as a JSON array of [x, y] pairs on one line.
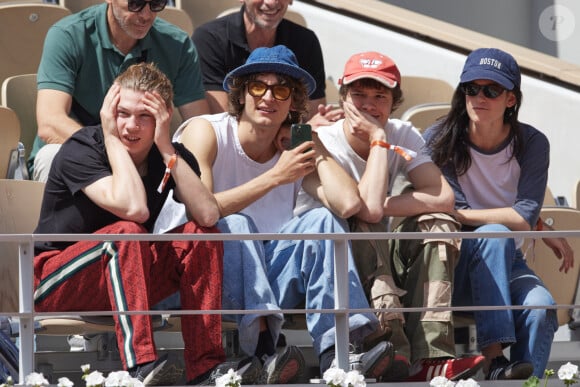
[[398, 133]]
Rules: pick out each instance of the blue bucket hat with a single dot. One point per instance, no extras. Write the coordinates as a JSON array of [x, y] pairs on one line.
[[494, 65], [279, 60]]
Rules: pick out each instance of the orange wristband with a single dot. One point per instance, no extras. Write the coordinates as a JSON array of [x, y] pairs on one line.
[[380, 143], [407, 154], [167, 173], [540, 225]]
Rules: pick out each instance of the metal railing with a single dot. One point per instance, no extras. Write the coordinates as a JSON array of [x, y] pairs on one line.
[[26, 313]]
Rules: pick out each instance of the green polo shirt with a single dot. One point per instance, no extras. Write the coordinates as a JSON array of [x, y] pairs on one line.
[[80, 59]]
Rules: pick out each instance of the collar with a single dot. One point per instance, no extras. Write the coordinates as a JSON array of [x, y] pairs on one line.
[[105, 40]]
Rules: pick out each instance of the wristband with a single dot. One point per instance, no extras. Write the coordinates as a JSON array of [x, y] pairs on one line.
[[407, 154], [381, 143], [167, 173], [540, 225]]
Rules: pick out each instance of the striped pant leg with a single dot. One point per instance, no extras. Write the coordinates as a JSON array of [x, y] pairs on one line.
[[199, 268], [94, 276]]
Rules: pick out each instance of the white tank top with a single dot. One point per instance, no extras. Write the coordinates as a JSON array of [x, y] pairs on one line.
[[232, 167]]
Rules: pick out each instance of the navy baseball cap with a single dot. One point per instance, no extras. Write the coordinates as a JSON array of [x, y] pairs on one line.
[[278, 60], [494, 65]]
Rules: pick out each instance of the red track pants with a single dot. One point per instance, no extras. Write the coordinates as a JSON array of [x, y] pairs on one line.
[[134, 275]]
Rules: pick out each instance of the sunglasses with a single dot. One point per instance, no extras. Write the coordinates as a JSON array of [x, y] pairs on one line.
[[259, 89], [489, 91], [154, 5]]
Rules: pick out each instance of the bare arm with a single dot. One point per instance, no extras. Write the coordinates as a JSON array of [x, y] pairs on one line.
[[561, 249], [431, 193], [52, 115], [331, 184], [199, 138], [200, 204], [506, 216], [122, 193], [374, 182]]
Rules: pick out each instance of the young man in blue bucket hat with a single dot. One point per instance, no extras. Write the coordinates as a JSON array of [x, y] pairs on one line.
[[255, 180]]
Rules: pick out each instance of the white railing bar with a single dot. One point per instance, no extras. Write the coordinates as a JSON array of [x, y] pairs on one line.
[[341, 331], [26, 308], [268, 236], [343, 309], [26, 242]]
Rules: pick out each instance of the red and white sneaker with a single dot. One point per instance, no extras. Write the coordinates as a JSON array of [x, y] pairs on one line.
[[453, 369]]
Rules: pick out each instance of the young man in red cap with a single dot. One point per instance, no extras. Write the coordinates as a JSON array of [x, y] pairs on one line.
[[374, 149]]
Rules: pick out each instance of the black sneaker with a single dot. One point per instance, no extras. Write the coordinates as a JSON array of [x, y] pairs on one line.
[[248, 368], [283, 368], [152, 373], [374, 363], [501, 369]]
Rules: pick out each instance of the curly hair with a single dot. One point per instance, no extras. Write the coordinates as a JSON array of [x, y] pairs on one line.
[[370, 83], [299, 96], [449, 144], [147, 77]]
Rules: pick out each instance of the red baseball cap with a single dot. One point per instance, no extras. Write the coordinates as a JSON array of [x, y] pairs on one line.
[[372, 65]]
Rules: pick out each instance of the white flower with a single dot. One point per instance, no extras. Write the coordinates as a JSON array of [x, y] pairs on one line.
[[441, 381], [334, 376], [467, 383], [86, 368], [94, 379], [230, 379], [36, 380], [568, 371], [118, 379], [354, 379], [65, 382]]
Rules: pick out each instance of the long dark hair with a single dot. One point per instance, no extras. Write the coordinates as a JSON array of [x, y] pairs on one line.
[[450, 143]]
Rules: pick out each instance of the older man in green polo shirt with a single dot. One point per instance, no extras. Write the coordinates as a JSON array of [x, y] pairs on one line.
[[84, 52]]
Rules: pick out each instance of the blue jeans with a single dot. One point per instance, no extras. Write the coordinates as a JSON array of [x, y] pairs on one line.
[[492, 272], [287, 273]]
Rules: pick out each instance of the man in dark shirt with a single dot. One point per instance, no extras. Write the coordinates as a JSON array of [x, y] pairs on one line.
[[225, 43], [113, 179]]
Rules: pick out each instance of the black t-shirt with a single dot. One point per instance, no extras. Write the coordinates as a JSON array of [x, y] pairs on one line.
[[222, 47], [81, 161]]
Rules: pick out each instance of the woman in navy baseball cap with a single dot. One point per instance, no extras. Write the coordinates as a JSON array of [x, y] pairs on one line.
[[498, 168]]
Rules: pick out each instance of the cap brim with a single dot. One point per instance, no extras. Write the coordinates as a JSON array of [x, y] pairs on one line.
[[390, 83], [489, 75], [272, 67]]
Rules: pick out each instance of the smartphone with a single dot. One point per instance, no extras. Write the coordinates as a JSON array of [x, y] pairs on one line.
[[299, 133]]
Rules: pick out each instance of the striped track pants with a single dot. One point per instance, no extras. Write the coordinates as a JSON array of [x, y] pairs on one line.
[[132, 276]]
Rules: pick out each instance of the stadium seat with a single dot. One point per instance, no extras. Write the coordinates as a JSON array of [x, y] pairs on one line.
[[420, 90], [544, 262], [19, 94], [20, 202], [424, 115], [10, 134], [202, 11], [26, 25], [178, 17]]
